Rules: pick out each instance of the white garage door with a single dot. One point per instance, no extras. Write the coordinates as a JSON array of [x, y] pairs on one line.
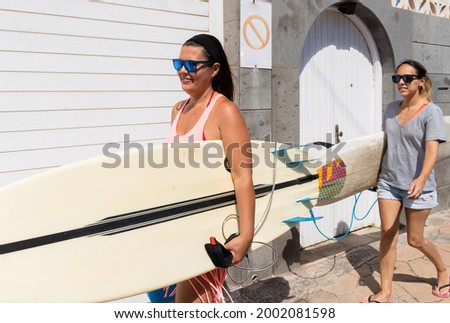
[[339, 92]]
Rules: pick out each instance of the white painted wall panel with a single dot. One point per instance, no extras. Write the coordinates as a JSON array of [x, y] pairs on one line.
[[48, 120], [61, 25], [61, 101], [16, 41], [103, 11], [60, 63], [17, 82], [77, 74], [60, 138], [32, 160], [200, 8]]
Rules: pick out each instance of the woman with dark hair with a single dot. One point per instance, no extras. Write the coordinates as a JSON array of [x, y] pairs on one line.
[[414, 128], [210, 114]]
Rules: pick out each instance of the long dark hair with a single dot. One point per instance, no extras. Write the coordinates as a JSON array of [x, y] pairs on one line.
[[421, 71], [222, 81]]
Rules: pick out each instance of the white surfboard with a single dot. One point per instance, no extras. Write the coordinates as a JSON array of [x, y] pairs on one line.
[[91, 232], [362, 158]]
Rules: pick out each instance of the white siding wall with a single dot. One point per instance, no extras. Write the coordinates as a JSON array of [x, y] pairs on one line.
[[77, 74]]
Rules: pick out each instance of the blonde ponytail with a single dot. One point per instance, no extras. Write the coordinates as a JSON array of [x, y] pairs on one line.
[[425, 90]]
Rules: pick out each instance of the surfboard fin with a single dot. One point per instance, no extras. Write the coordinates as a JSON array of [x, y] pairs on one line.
[[309, 199], [296, 163], [283, 150], [299, 219], [294, 157]]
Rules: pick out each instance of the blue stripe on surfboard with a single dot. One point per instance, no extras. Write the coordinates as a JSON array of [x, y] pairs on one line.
[[307, 199], [135, 220], [286, 148], [298, 219]]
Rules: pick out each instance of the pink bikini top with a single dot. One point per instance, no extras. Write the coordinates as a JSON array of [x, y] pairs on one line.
[[197, 132]]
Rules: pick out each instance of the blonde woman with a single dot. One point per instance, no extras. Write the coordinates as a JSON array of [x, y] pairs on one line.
[[414, 128]]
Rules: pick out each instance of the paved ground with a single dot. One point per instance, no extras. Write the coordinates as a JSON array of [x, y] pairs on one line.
[[348, 270]]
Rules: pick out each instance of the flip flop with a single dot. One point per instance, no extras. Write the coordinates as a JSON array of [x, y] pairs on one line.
[[437, 290], [370, 300]]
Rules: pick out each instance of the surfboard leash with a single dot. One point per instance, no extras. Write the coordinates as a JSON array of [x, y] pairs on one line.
[[250, 269], [261, 221], [353, 217]]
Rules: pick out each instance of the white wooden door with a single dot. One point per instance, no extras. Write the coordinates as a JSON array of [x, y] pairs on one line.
[[338, 93]]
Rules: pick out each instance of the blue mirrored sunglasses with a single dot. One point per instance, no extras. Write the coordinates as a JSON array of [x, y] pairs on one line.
[[191, 66], [407, 78]]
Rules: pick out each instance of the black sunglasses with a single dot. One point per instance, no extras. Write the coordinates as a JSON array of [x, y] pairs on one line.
[[407, 78], [191, 66]]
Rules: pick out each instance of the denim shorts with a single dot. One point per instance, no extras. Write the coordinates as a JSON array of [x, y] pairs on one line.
[[427, 200]]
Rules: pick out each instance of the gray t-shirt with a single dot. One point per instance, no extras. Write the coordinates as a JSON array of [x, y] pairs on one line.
[[405, 153]]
